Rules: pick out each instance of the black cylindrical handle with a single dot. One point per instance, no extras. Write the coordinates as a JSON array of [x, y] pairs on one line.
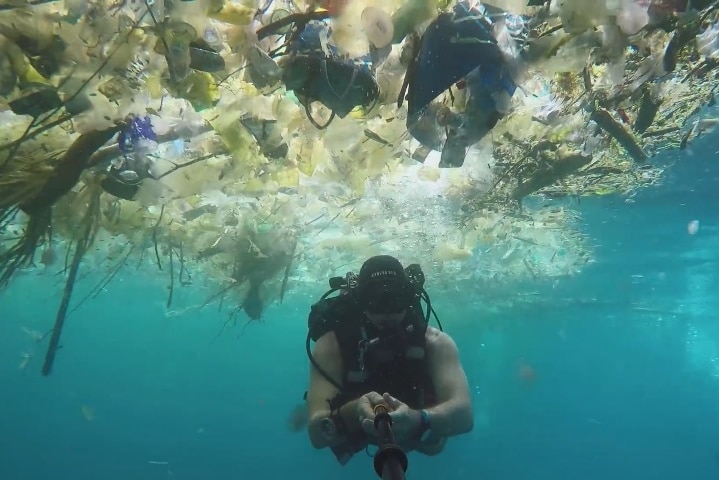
[[390, 461]]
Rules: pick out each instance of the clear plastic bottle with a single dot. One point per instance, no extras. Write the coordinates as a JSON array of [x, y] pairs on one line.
[[708, 41]]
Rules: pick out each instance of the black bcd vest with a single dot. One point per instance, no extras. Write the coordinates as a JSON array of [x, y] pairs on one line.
[[394, 363]]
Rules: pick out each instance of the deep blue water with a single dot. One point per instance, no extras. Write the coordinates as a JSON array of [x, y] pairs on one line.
[[624, 382]]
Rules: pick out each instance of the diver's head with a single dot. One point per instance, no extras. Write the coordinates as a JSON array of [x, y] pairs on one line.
[[383, 291]]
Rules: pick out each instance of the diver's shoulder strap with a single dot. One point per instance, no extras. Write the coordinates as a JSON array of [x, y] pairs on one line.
[[327, 315]]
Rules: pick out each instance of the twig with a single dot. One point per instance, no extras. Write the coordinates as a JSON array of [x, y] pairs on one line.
[[220, 294], [315, 219], [30, 3], [170, 61], [16, 144], [287, 272], [106, 280], [7, 215], [80, 248], [172, 279], [154, 237], [183, 268], [238, 70], [186, 164], [118, 267], [615, 130], [38, 131], [328, 224], [231, 319], [656, 133], [300, 19]]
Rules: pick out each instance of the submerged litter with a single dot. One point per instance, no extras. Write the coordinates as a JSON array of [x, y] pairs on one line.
[[249, 146]]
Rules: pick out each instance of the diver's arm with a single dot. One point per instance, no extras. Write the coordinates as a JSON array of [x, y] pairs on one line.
[[328, 357], [452, 414]]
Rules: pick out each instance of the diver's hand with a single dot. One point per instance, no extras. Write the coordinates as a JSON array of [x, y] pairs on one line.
[[365, 411], [405, 421]]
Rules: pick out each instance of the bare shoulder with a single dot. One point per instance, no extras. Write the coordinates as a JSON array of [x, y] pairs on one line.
[[438, 341], [327, 346]]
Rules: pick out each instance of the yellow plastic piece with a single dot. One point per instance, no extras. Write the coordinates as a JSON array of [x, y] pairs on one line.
[[32, 76], [233, 13], [22, 66], [310, 156], [287, 178], [358, 113], [356, 181], [254, 185], [234, 136], [199, 88], [154, 86]]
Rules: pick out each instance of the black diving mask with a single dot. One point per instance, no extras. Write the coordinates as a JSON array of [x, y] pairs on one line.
[[389, 298]]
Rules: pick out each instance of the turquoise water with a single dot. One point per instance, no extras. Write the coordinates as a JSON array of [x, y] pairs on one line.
[[611, 374]]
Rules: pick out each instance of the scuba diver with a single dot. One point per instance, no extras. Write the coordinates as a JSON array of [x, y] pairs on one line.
[[374, 347]]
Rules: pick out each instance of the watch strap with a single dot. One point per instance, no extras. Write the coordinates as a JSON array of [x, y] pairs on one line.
[[424, 425]]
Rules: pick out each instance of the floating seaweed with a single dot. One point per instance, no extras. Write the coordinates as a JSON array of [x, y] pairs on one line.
[[564, 164], [35, 190], [260, 256]]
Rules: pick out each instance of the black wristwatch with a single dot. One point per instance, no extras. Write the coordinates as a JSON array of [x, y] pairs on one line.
[[425, 426]]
